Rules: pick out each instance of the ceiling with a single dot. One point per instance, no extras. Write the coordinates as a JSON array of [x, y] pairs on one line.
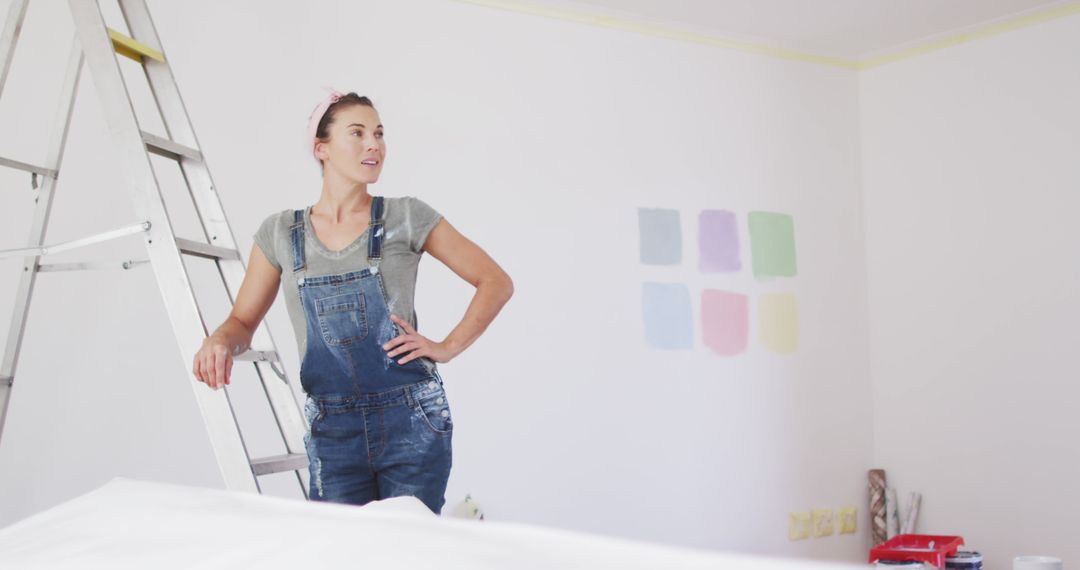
[[850, 29]]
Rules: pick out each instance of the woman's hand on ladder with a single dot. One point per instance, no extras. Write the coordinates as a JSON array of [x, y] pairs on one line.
[[213, 362]]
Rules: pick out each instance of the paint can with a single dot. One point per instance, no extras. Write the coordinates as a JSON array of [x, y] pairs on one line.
[[964, 560]]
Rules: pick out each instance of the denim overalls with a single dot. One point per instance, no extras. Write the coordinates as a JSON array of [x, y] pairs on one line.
[[377, 428]]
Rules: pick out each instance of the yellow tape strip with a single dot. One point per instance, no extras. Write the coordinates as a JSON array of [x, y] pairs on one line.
[[991, 30], [130, 48], [611, 22], [664, 32]]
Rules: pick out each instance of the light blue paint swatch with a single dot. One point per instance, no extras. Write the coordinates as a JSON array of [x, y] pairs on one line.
[[665, 308], [660, 236]]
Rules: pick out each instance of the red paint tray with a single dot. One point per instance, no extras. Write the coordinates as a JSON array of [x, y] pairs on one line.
[[922, 547]]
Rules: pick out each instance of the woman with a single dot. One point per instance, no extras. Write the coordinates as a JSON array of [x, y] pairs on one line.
[[379, 419]]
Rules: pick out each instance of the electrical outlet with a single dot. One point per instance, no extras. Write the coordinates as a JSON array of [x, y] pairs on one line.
[[799, 525], [847, 516], [823, 522]]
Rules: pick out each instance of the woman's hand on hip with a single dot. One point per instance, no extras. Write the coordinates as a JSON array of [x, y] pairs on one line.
[[416, 345], [213, 363]]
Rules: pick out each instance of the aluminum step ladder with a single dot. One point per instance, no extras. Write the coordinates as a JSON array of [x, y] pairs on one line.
[[99, 46]]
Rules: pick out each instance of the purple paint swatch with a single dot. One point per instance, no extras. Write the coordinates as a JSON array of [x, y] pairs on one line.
[[718, 242], [724, 321]]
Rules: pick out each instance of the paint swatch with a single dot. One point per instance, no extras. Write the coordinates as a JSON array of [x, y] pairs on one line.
[[772, 244], [778, 322], [724, 321], [718, 242], [665, 308], [660, 236]]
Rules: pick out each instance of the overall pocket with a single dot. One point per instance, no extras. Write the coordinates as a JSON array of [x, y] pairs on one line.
[[342, 318], [312, 412], [434, 409]]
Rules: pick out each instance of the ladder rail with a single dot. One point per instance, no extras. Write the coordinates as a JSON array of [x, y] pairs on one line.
[[170, 272], [196, 173], [99, 47], [42, 208], [9, 36]]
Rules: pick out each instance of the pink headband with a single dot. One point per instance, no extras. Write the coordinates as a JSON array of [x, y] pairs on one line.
[[317, 115]]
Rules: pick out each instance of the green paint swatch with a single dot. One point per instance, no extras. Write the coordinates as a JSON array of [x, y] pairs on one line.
[[772, 244]]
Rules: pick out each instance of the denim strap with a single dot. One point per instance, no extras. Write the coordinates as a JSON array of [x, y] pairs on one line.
[[376, 228], [297, 229]]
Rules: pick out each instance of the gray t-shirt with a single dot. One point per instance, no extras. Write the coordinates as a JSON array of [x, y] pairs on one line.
[[408, 221]]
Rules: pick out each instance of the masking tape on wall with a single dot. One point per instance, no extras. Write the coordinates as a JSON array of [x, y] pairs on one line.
[[656, 30]]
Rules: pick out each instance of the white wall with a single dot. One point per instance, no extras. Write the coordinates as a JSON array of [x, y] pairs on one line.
[[971, 175], [539, 139]]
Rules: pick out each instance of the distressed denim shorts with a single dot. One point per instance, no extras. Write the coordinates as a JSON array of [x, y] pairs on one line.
[[382, 444]]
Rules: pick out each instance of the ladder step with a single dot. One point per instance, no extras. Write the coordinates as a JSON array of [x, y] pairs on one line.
[[279, 463], [42, 171], [133, 49], [258, 356], [167, 148], [206, 250], [90, 266], [76, 243]]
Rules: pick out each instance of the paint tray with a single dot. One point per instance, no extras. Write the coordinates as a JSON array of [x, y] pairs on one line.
[[922, 547]]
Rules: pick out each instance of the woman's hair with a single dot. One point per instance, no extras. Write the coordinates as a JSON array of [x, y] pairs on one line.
[[322, 132]]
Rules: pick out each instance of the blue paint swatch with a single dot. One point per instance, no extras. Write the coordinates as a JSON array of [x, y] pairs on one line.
[[660, 235], [665, 308]]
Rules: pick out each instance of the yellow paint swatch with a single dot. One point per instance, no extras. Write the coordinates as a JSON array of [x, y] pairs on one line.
[[848, 520], [823, 522], [778, 322], [799, 525]]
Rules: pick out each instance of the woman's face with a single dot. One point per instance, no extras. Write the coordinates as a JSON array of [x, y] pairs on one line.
[[356, 149]]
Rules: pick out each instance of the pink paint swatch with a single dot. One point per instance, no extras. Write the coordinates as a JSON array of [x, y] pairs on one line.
[[725, 320]]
